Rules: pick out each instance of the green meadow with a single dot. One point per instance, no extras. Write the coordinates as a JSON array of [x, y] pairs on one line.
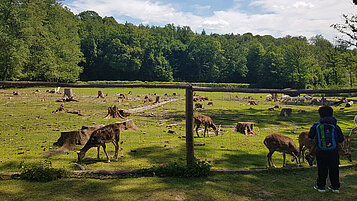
[[28, 129]]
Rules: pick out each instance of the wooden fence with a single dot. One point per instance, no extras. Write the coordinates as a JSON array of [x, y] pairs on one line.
[[189, 97]]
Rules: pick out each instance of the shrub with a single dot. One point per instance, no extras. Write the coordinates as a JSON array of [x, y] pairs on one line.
[[197, 169], [41, 172]]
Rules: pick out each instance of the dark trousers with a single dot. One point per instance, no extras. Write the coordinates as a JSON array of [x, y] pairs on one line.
[[327, 163]]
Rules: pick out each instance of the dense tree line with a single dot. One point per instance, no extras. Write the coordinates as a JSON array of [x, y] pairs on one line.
[[42, 40]]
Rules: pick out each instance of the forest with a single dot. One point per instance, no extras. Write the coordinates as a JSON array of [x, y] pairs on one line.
[[42, 40]]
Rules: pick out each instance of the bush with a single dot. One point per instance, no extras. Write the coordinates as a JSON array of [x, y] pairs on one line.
[[41, 172], [197, 169]]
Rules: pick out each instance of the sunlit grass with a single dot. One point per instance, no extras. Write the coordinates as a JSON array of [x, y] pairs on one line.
[[28, 129]]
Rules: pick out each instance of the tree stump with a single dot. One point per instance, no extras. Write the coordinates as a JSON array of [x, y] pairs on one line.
[[252, 102], [69, 139], [114, 112], [68, 96], [247, 128], [68, 93], [72, 111], [100, 94], [286, 112]]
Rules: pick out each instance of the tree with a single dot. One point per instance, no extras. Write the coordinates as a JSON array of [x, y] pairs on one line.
[[13, 49], [348, 60], [349, 29], [234, 67], [254, 57], [298, 60], [205, 56]]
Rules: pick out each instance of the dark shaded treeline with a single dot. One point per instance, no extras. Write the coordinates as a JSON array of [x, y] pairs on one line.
[[42, 40]]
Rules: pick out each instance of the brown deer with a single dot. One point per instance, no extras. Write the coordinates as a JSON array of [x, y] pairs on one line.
[[109, 133], [206, 121], [305, 143], [309, 144], [281, 143]]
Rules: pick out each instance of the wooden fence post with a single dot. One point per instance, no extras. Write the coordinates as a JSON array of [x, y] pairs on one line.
[[189, 126]]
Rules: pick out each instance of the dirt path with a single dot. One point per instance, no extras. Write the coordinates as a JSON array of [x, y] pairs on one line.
[[148, 107]]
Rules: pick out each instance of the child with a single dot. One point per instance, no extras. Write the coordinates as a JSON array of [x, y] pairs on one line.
[[327, 135]]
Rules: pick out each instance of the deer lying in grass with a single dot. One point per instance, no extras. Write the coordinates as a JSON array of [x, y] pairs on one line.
[[306, 143], [109, 133], [206, 121], [281, 143]]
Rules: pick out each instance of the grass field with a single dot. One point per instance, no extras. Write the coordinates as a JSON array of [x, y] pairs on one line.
[[28, 129], [274, 185]]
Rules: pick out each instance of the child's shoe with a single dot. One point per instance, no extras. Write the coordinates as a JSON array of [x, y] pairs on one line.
[[334, 190], [321, 190]]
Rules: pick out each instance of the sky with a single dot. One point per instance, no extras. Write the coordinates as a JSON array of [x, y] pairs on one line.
[[259, 17]]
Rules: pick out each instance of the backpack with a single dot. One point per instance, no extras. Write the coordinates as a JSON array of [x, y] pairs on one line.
[[326, 136]]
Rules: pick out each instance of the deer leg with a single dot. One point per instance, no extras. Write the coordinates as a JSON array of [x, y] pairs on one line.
[[204, 132], [302, 154], [270, 160], [197, 126], [98, 148], [116, 145], [105, 151], [295, 157]]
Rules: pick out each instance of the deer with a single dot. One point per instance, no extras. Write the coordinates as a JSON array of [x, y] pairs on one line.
[[109, 133], [206, 121], [281, 143], [307, 143]]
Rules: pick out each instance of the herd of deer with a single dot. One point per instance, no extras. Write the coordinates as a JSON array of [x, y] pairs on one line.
[[286, 145], [111, 133], [274, 142]]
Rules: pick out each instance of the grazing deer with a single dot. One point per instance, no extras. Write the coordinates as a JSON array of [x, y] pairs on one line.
[[305, 143], [281, 143], [343, 149], [109, 133], [206, 121]]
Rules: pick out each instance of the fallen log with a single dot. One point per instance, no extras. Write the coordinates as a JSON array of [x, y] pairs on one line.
[[72, 111]]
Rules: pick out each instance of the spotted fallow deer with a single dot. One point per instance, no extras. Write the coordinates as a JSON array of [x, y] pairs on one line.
[[109, 133], [281, 143], [206, 121]]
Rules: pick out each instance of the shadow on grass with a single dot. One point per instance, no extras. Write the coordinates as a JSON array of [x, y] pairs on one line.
[[12, 165], [160, 155], [261, 117]]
